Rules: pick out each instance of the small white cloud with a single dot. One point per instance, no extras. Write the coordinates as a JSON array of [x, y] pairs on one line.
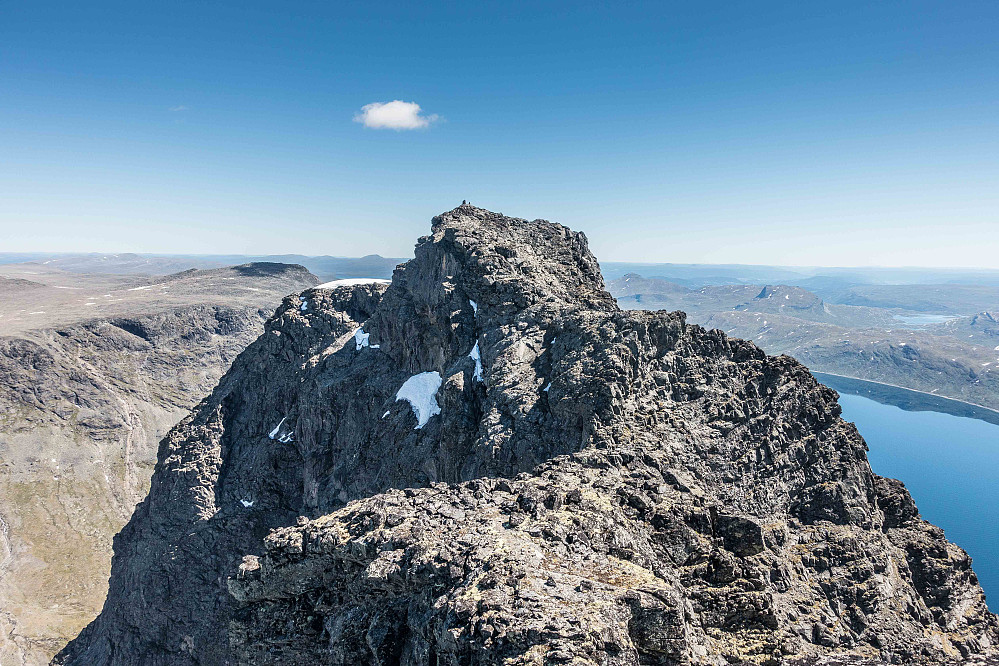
[[177, 109], [397, 115]]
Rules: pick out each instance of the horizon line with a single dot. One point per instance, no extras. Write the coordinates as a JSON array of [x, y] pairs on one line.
[[602, 262]]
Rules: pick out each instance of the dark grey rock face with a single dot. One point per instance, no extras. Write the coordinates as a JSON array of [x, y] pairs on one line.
[[561, 482]]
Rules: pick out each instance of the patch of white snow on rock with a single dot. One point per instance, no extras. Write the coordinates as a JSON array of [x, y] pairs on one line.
[[477, 357], [361, 338], [277, 428], [350, 282], [421, 393]]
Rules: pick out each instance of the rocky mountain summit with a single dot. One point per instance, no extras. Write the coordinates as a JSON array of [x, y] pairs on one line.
[[488, 462]]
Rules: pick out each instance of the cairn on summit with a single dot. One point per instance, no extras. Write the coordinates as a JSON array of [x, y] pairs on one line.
[[488, 462]]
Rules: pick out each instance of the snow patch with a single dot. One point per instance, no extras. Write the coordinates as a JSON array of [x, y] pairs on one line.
[[477, 357], [350, 282], [421, 393], [305, 305], [246, 503], [387, 412], [545, 389], [475, 306], [361, 339], [277, 428], [283, 437], [141, 288]]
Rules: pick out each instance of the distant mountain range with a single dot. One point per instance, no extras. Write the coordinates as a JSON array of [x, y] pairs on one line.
[[325, 267], [824, 281], [827, 282], [942, 339]]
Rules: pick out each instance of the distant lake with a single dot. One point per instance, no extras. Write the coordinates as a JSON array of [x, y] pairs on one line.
[[923, 319], [949, 463]]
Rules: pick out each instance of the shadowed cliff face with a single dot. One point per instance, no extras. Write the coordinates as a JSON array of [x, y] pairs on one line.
[[489, 462]]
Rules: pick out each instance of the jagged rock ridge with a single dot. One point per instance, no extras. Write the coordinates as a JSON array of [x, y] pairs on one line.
[[598, 486]]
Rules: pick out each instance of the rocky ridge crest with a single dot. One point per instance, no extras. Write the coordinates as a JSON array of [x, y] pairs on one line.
[[574, 484]]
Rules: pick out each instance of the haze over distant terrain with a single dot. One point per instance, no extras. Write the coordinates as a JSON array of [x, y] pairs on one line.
[[932, 331], [128, 263]]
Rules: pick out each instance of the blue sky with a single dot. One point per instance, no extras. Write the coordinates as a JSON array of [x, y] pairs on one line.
[[783, 133]]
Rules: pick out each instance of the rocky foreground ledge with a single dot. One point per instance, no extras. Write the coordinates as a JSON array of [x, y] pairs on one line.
[[487, 462]]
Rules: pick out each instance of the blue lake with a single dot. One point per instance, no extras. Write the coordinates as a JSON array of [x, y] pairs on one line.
[[949, 463], [921, 319]]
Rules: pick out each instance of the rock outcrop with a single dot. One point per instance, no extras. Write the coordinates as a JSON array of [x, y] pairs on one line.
[[489, 462]]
